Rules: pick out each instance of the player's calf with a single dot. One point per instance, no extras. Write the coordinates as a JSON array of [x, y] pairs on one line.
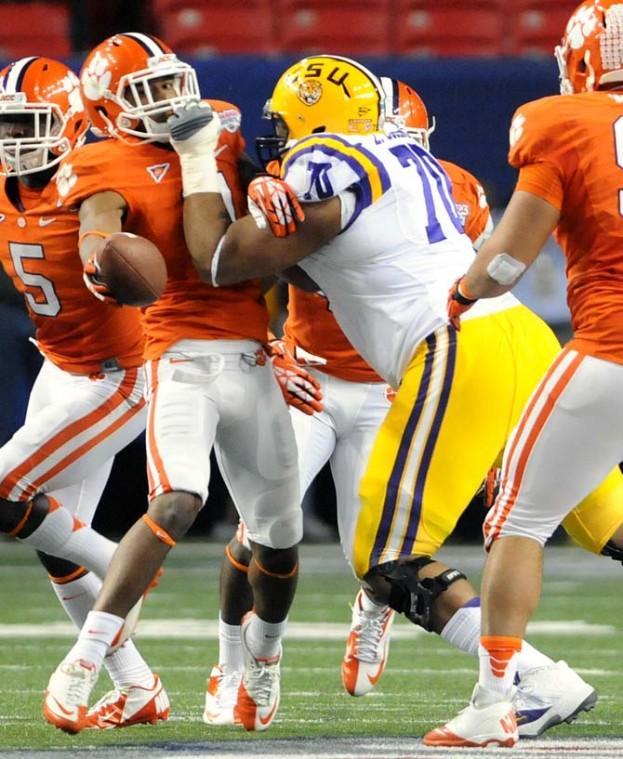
[[427, 592]]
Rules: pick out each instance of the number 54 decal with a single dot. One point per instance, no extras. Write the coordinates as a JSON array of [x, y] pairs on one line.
[[38, 290]]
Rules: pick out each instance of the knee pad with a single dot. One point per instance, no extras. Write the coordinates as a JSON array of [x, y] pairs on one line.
[[411, 596], [612, 551]]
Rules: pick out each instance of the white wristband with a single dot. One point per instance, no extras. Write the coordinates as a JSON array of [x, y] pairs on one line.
[[199, 173]]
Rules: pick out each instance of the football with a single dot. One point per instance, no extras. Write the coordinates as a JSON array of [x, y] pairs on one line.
[[133, 268]]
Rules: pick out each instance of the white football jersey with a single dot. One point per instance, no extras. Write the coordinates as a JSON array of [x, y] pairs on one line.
[[401, 247]]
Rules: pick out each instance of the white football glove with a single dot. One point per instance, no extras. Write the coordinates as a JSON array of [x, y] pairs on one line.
[[195, 131]]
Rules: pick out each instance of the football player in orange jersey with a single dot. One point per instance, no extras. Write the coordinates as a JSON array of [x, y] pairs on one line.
[[209, 380], [356, 401], [87, 401], [569, 152]]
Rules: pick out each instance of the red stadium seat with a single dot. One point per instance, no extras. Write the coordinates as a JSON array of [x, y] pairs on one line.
[[205, 27], [34, 29], [538, 25], [447, 27], [353, 27]]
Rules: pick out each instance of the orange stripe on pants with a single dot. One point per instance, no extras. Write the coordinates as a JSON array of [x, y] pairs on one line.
[[67, 433], [161, 481], [524, 452]]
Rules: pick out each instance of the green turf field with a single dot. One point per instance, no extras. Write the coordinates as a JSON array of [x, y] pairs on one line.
[[425, 681]]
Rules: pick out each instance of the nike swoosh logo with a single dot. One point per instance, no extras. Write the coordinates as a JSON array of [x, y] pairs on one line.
[[220, 150], [44, 222], [69, 712], [179, 360], [96, 632], [71, 598], [269, 716], [375, 678]]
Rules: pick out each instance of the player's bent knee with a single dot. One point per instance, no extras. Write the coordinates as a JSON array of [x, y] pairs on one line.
[[283, 531], [399, 583], [21, 518], [175, 512]]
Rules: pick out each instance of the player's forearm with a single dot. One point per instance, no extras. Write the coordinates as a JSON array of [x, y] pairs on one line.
[[101, 214], [512, 248], [205, 222]]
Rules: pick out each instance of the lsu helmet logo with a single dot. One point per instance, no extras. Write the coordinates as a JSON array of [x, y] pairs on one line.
[[310, 92]]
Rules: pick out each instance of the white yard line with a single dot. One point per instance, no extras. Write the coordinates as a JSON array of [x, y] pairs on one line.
[[199, 629]]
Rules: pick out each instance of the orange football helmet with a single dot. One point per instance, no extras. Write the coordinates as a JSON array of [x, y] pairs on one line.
[[42, 116], [405, 109], [590, 55], [131, 83]]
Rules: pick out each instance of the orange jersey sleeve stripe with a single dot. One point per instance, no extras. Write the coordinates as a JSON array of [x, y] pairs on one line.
[[543, 180], [532, 429], [72, 430], [161, 483]]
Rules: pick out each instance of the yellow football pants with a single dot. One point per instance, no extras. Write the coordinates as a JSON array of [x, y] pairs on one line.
[[460, 397]]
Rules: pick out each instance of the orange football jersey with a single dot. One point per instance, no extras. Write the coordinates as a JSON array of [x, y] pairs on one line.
[[311, 325], [570, 152], [39, 251], [148, 177]]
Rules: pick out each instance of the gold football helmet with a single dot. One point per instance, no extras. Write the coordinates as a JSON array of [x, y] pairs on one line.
[[322, 93]]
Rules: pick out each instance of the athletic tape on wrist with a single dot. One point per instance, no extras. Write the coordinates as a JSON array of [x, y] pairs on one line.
[[199, 174]]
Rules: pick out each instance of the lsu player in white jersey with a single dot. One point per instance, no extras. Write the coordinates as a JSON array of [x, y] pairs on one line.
[[380, 236], [356, 401], [382, 239]]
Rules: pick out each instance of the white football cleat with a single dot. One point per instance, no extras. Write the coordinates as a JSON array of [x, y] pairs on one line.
[[548, 696], [366, 648], [221, 695], [487, 721], [259, 691], [67, 695], [133, 705]]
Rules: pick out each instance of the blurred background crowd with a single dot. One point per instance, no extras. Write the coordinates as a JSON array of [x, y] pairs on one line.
[[472, 61]]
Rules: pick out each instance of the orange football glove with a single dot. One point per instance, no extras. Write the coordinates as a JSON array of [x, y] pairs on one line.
[[458, 303], [272, 202], [300, 389], [491, 486], [90, 274]]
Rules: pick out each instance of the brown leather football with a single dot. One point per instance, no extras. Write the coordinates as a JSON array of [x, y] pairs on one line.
[[133, 268]]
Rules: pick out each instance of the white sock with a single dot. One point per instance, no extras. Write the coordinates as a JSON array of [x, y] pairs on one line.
[[96, 636], [531, 658], [264, 638], [497, 669], [463, 632], [370, 606], [127, 667], [229, 648], [61, 535], [463, 628], [78, 596]]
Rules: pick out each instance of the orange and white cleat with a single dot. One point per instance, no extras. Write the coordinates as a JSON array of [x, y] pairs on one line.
[[134, 705], [67, 695], [259, 691], [487, 721], [221, 695], [367, 648]]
